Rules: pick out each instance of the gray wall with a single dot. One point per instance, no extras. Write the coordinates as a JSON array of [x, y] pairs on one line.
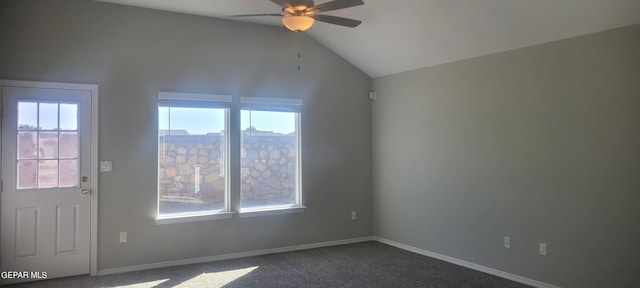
[[541, 144], [133, 53]]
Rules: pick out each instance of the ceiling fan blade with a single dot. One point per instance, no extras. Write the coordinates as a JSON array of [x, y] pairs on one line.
[[337, 20], [252, 15], [282, 3], [335, 5]]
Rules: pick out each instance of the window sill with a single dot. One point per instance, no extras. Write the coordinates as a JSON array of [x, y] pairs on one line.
[[267, 211], [193, 218]]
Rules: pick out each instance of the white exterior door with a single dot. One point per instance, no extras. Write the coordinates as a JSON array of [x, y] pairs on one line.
[[46, 182]]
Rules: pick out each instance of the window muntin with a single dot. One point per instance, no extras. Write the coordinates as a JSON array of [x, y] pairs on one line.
[[193, 153], [270, 154]]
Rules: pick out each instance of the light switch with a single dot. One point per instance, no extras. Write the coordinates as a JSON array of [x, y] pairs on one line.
[[106, 166]]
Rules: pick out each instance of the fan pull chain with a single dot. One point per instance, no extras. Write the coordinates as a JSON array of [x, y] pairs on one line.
[[298, 61]]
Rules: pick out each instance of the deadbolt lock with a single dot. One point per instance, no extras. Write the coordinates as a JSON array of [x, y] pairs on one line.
[[85, 178]]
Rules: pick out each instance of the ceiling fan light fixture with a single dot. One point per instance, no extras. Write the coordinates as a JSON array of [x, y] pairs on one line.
[[297, 23], [300, 15]]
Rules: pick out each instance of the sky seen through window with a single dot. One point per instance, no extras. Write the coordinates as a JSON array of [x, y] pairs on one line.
[[200, 121]]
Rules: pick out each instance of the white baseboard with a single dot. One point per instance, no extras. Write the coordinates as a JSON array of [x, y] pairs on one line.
[[230, 256], [467, 264], [449, 259]]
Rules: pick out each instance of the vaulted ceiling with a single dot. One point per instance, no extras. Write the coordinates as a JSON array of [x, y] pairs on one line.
[[402, 35]]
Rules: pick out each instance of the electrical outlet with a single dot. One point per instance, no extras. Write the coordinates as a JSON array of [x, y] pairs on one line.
[[123, 237], [354, 216], [543, 249], [507, 242]]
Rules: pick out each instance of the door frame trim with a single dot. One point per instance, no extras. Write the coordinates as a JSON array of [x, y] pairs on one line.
[[93, 88]]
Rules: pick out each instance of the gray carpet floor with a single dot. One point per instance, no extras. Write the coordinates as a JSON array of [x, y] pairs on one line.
[[367, 264]]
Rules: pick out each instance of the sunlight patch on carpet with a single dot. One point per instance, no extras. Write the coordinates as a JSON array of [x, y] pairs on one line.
[[210, 279], [154, 283], [216, 279]]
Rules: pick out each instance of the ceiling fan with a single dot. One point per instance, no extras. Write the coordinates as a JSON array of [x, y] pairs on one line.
[[299, 15]]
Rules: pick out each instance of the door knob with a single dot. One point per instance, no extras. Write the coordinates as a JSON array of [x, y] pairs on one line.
[[84, 191]]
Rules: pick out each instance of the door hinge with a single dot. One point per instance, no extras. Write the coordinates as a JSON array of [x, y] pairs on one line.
[[1, 186]]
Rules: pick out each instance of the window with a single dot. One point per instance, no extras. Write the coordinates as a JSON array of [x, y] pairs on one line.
[[270, 154], [193, 157], [47, 145], [193, 154]]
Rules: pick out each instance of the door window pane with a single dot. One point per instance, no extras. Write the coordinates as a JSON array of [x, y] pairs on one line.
[[47, 173], [27, 116], [69, 144], [48, 145], [27, 145], [48, 116], [27, 174], [68, 116], [68, 173]]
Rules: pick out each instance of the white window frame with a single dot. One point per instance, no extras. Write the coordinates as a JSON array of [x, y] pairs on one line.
[[295, 105], [226, 213]]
